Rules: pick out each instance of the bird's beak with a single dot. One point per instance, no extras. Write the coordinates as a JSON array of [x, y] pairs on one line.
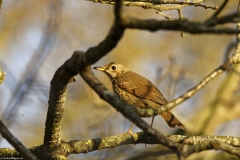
[[100, 68]]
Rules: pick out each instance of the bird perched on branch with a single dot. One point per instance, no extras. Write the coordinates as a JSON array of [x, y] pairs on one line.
[[138, 91]]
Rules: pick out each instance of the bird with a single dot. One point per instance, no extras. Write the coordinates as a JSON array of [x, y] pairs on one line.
[[137, 91]]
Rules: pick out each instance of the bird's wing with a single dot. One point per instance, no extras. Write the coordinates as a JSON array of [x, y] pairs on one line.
[[139, 86]]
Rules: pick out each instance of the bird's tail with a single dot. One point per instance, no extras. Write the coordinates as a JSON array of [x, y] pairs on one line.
[[172, 121]]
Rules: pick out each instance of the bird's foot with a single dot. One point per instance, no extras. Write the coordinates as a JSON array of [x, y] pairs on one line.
[[130, 132]]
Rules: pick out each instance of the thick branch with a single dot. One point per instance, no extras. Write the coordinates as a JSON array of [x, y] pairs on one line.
[[176, 25], [93, 54], [191, 144], [209, 145], [57, 97], [231, 18]]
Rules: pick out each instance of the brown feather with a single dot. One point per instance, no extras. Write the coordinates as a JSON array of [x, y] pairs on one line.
[[171, 120], [141, 87]]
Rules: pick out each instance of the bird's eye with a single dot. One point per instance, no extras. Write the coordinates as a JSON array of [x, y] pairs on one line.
[[114, 67]]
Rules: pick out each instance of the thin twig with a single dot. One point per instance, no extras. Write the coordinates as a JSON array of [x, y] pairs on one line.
[[180, 17], [170, 105], [165, 16], [158, 5], [195, 4], [219, 10]]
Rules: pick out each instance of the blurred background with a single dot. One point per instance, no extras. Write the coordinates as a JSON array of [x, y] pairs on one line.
[[37, 37]]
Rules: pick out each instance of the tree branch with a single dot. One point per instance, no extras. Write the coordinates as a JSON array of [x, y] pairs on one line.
[[176, 25], [231, 18], [190, 93], [192, 144], [57, 97], [214, 16], [158, 5], [15, 143]]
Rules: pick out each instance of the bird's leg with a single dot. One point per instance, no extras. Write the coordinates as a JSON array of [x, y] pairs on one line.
[[130, 130], [152, 121], [151, 126]]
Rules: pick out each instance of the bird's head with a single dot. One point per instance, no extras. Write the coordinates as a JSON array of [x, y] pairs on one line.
[[112, 70]]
